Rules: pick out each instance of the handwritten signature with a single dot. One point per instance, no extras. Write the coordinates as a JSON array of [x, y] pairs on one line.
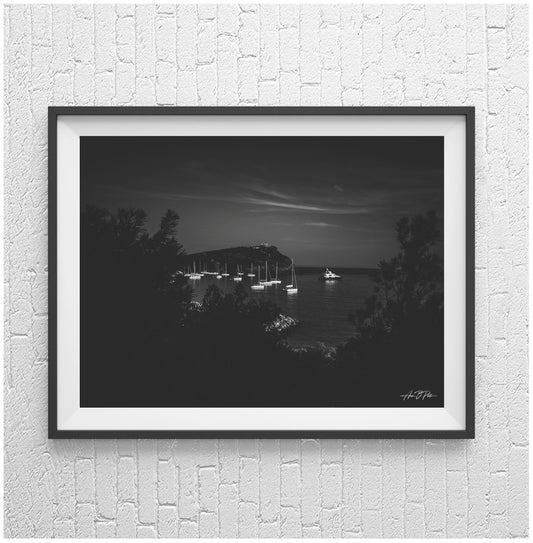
[[418, 395]]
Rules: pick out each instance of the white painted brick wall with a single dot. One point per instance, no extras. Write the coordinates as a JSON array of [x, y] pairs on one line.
[[268, 55]]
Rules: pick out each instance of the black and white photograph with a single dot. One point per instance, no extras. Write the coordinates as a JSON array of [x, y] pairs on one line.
[[261, 271]]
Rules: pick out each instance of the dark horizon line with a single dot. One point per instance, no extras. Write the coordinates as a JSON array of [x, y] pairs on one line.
[[347, 268]]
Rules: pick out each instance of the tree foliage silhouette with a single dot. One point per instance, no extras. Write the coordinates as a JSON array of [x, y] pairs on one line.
[[132, 299], [398, 339]]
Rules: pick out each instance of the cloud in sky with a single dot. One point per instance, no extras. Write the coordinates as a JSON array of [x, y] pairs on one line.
[[322, 224], [270, 205], [278, 201]]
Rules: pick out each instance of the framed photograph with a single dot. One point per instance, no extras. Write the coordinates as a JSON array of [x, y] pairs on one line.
[[261, 272]]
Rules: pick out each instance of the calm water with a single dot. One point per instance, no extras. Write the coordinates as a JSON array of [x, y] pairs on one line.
[[322, 308]]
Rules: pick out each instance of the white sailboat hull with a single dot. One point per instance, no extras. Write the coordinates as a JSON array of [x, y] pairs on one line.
[[293, 287]]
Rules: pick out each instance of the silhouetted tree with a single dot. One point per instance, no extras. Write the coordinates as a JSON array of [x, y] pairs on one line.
[[399, 336], [133, 299]]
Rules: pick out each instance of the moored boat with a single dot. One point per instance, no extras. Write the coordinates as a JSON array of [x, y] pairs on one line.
[[267, 282], [292, 288], [239, 275], [276, 281], [328, 275], [258, 285], [194, 275]]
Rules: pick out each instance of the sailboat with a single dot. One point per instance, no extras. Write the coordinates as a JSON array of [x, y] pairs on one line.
[[266, 282], [194, 275], [239, 270], [276, 281], [225, 274], [293, 287], [239, 275], [259, 285], [251, 274]]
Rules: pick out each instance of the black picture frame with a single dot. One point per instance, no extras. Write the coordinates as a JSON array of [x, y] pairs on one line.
[[468, 433]]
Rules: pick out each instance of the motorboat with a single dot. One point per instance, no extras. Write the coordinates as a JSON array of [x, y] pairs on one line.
[[328, 275]]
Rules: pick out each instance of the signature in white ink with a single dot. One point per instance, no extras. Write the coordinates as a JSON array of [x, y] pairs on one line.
[[418, 395]]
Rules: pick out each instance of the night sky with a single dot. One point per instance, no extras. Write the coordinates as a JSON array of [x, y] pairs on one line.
[[323, 201]]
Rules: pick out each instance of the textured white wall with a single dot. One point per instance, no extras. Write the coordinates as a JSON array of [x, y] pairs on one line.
[[269, 55]]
